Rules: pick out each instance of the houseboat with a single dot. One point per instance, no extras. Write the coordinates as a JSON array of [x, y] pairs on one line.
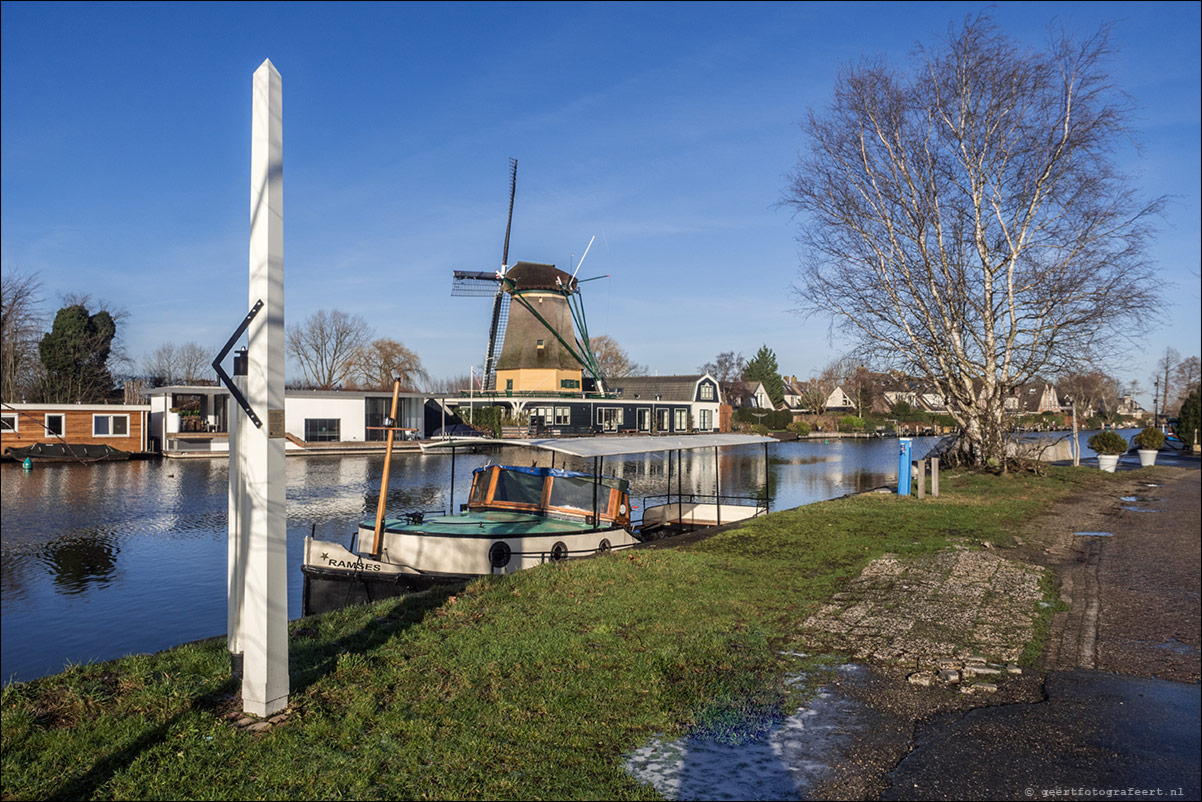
[[74, 432]]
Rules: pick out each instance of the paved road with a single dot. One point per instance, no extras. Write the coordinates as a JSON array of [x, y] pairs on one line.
[[1121, 715]]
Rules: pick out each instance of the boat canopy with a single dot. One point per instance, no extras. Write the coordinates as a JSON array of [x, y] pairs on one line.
[[549, 491], [619, 446]]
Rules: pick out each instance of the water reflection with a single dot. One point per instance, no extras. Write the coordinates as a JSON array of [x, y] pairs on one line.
[[79, 562]]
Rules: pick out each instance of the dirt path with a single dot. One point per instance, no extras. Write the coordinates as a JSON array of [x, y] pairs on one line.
[[1133, 612], [1134, 596]]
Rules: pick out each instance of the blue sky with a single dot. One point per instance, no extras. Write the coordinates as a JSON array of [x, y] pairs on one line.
[[667, 131]]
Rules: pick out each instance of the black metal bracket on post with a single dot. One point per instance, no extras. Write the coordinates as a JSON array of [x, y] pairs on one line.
[[225, 378]]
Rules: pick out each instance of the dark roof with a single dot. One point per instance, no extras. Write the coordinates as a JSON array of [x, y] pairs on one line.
[[668, 388], [535, 276], [740, 394]]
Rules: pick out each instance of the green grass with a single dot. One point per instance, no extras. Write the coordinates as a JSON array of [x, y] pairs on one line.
[[530, 686]]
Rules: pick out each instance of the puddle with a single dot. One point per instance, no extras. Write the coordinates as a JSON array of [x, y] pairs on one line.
[[1140, 499], [785, 764], [1094, 534], [1174, 645], [1137, 509]]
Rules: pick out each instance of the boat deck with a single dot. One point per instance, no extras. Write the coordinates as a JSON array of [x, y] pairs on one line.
[[483, 523]]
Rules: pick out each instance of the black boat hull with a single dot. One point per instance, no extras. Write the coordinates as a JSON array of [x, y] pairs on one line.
[[325, 590]]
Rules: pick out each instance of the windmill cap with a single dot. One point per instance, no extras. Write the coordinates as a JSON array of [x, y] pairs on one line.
[[534, 276]]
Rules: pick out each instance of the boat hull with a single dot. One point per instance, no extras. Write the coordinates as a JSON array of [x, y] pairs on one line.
[[66, 452], [411, 561], [327, 590]]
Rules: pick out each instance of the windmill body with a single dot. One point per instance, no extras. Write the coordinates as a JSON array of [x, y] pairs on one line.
[[540, 346]]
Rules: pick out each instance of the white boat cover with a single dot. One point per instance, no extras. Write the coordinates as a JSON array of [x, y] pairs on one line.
[[615, 446]]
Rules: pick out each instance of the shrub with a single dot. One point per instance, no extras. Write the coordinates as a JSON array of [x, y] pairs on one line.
[[1150, 438], [1108, 442], [800, 427], [850, 422], [774, 419]]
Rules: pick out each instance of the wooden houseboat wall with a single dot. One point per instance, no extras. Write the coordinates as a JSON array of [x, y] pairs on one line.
[[122, 426]]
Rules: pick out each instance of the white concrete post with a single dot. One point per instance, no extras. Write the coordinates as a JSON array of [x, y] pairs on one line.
[[264, 627]]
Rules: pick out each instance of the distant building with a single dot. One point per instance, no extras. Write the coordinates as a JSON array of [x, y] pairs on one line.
[[648, 404], [194, 421]]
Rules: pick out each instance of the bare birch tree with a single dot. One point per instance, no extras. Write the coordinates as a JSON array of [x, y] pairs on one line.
[[966, 223], [327, 346]]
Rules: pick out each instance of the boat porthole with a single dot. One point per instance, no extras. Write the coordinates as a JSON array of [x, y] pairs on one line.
[[559, 551], [622, 509], [603, 546], [499, 554]]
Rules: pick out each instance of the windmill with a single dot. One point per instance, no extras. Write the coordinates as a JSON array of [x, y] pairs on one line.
[[520, 353]]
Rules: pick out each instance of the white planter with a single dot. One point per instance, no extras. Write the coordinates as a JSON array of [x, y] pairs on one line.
[[1108, 462], [1147, 457]]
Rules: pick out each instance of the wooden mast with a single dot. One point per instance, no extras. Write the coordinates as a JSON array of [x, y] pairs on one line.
[[377, 543]]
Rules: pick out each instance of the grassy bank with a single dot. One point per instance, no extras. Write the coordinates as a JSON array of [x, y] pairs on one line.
[[527, 686]]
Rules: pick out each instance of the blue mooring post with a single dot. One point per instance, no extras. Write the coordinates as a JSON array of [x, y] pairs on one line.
[[903, 466]]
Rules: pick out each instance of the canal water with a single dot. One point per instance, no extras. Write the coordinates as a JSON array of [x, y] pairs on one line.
[[103, 560]]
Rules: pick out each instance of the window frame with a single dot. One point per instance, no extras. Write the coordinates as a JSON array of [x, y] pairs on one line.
[[11, 422], [337, 430], [111, 417], [62, 423]]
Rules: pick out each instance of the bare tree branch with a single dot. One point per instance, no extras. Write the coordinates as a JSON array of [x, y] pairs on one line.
[[327, 345], [966, 224]]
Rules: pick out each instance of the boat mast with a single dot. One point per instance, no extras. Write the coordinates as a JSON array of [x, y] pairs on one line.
[[390, 424]]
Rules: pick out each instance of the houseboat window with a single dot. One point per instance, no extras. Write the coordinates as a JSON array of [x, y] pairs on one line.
[[523, 488], [110, 425], [681, 422], [569, 384], [322, 430], [609, 418], [8, 423], [54, 424], [563, 416], [576, 493], [707, 392], [480, 487]]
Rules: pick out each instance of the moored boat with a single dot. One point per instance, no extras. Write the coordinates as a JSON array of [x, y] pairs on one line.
[[66, 452], [515, 518]]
